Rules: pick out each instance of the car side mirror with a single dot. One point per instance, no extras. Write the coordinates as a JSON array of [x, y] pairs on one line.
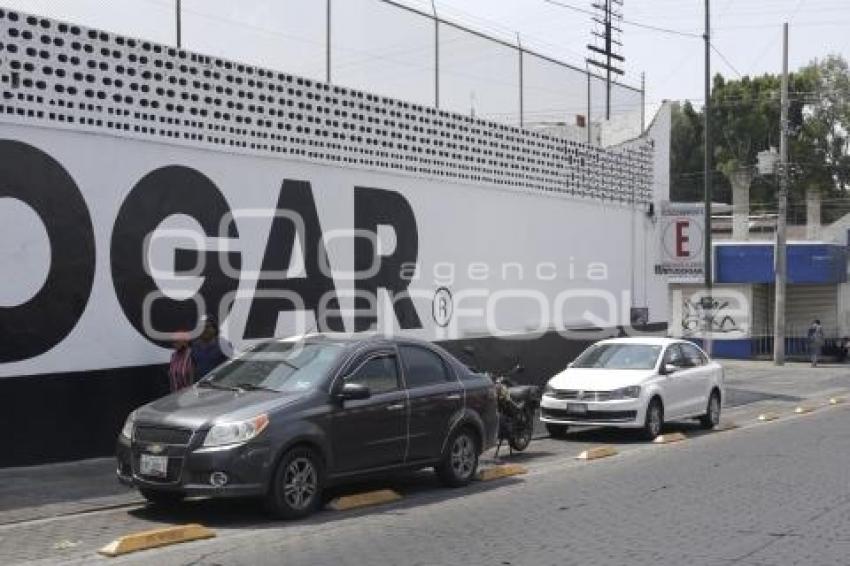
[[667, 369], [353, 392]]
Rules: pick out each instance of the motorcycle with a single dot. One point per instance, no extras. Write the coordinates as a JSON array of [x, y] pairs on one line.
[[517, 407]]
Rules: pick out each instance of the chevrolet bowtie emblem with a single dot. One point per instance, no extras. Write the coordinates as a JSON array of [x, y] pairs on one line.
[[156, 448]]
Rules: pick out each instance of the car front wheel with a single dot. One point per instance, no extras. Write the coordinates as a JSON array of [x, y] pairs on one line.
[[296, 489], [711, 418], [460, 460], [654, 420]]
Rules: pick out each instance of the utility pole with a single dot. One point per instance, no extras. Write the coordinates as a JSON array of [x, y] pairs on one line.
[[781, 251], [608, 51], [589, 105], [521, 79], [178, 23], [642, 103], [436, 54], [708, 300], [328, 42]]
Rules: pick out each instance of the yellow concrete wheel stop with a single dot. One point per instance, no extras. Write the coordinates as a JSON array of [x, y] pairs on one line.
[[669, 438], [597, 452], [501, 471], [156, 538], [367, 499]]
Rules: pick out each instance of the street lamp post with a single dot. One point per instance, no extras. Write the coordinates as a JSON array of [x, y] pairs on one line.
[[707, 303]]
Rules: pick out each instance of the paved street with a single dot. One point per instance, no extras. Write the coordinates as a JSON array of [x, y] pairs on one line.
[[766, 493], [770, 495]]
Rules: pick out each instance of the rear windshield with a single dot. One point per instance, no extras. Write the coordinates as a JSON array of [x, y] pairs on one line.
[[619, 356], [277, 366]]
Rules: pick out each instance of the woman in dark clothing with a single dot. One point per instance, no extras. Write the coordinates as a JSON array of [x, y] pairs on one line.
[[206, 350]]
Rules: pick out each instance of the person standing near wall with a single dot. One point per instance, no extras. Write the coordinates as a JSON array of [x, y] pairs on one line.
[[181, 369], [816, 340], [206, 350]]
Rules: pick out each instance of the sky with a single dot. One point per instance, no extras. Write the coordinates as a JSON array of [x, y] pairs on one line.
[[384, 49]]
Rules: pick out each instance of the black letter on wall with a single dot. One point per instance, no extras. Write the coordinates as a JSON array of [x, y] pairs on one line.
[[34, 327], [162, 193], [296, 197], [373, 208]]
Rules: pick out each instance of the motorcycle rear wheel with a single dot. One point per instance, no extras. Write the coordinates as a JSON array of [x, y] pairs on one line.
[[522, 432]]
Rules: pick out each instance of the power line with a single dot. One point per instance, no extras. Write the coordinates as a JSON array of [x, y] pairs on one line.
[[725, 60], [628, 22]]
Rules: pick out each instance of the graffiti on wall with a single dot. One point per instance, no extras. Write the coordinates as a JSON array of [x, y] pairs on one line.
[[726, 310]]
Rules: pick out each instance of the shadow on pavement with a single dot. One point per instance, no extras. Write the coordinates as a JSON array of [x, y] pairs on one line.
[[529, 455], [739, 397], [418, 488]]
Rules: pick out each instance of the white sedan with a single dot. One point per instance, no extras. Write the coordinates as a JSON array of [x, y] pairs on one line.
[[635, 383]]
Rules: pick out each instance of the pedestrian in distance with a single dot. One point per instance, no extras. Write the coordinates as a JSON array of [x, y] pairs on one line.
[[181, 370], [816, 340], [207, 353]]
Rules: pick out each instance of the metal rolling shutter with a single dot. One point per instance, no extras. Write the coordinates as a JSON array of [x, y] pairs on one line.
[[805, 303]]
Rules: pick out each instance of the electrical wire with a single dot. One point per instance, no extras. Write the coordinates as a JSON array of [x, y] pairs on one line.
[[725, 60], [626, 21]]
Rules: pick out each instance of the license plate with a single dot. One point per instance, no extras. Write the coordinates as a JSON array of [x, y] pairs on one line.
[[154, 466], [577, 408]]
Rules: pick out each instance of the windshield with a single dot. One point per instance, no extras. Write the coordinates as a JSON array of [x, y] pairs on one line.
[[619, 356], [277, 366]]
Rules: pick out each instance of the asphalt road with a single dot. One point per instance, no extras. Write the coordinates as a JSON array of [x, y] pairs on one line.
[[773, 494]]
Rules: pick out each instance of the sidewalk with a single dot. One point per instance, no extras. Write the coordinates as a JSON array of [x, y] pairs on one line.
[[794, 379], [59, 489]]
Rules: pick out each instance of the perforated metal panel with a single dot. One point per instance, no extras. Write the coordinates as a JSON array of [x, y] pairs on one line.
[[63, 75]]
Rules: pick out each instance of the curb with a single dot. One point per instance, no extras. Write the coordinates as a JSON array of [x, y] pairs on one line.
[[155, 538]]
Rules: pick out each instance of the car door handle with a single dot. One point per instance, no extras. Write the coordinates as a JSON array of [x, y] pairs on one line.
[[397, 407], [453, 397]]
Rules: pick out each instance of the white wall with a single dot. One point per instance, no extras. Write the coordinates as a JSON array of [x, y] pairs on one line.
[[458, 224]]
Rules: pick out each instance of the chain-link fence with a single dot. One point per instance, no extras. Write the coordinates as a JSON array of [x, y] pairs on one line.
[[380, 46]]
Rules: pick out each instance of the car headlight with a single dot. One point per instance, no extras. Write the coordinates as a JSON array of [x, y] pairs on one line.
[[127, 429], [630, 392], [236, 432]]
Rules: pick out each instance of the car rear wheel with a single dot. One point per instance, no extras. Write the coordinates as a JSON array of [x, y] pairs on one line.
[[460, 460], [711, 418], [162, 498], [296, 489], [654, 420], [557, 430]]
